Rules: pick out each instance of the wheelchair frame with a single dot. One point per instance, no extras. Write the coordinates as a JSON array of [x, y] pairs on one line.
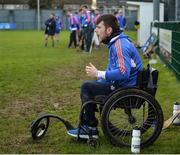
[[120, 112]]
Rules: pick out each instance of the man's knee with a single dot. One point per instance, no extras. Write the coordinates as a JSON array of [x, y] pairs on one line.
[[87, 85], [86, 90]]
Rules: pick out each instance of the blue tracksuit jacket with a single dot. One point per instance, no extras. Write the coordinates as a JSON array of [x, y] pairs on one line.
[[58, 25], [72, 23], [124, 62]]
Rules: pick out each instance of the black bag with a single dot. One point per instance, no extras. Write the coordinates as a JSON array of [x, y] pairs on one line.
[[147, 79]]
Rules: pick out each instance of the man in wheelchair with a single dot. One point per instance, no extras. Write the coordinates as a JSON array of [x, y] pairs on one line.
[[122, 69]]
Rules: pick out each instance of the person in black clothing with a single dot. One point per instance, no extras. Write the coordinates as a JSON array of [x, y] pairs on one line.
[[73, 28], [50, 29], [87, 28]]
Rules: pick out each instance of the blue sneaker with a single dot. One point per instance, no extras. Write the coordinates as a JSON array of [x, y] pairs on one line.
[[83, 133]]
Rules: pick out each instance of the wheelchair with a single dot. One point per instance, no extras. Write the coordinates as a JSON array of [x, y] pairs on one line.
[[120, 112]]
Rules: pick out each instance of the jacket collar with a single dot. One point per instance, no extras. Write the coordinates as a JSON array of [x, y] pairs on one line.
[[121, 35]]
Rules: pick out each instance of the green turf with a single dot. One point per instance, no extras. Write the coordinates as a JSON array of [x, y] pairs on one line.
[[34, 79]]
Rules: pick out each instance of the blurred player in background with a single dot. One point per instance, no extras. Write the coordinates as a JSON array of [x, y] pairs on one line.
[[50, 29], [58, 27], [73, 28]]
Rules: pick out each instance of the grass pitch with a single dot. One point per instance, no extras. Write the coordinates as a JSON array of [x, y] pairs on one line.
[[34, 79]]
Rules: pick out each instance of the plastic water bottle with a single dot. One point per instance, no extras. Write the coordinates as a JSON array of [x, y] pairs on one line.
[[136, 141], [176, 107]]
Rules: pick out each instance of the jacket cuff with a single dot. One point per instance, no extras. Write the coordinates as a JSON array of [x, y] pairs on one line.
[[101, 74]]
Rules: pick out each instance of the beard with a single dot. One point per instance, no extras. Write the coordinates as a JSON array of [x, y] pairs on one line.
[[107, 39], [104, 39]]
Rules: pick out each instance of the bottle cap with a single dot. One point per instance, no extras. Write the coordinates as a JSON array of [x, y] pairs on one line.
[[136, 132]]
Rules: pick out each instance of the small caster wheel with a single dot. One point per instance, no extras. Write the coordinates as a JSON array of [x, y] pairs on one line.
[[39, 128], [93, 142]]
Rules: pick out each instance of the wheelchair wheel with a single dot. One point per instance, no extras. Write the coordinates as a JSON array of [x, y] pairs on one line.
[[127, 109], [39, 128]]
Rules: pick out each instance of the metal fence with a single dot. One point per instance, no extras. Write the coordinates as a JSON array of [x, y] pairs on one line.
[[169, 44], [27, 19]]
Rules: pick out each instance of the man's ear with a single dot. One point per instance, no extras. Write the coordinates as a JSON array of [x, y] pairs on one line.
[[109, 31]]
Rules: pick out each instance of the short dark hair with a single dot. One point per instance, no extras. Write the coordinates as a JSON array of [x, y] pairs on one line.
[[109, 21], [85, 6], [115, 13]]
